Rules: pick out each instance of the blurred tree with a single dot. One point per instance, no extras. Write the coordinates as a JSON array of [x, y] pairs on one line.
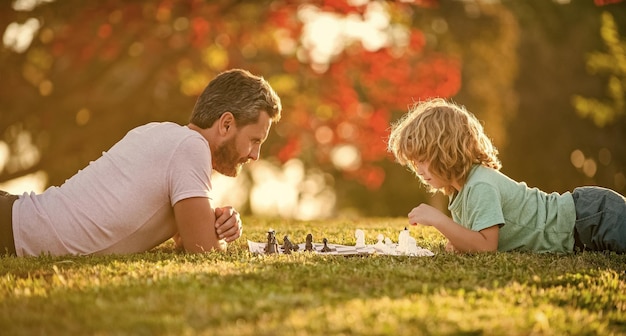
[[344, 69], [548, 146], [94, 70], [482, 37], [613, 64], [608, 114]]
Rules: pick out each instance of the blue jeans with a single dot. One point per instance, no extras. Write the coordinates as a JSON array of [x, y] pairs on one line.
[[600, 220]]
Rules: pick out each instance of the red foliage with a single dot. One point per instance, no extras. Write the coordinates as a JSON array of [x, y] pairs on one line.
[[354, 98], [290, 150], [606, 2], [341, 7], [357, 94], [200, 29]]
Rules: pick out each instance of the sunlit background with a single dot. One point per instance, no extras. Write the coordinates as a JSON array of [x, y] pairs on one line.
[[547, 79]]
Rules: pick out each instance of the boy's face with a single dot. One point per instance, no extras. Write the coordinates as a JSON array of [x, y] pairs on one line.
[[423, 171]]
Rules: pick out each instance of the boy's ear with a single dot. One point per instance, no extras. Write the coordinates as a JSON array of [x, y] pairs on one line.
[[226, 123]]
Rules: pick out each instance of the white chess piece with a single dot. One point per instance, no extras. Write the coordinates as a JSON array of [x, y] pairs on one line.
[[414, 250], [360, 238], [411, 247], [403, 241], [389, 247], [380, 245]]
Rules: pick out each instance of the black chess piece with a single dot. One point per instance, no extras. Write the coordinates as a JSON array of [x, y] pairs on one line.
[[287, 245], [272, 245], [325, 248], [309, 243]]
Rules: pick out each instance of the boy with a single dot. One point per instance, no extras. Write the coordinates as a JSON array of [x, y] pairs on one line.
[[446, 147]]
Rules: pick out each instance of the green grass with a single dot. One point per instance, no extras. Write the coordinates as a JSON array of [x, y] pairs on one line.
[[236, 293]]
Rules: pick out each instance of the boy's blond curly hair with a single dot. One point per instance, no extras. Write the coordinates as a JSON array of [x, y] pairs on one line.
[[447, 136]]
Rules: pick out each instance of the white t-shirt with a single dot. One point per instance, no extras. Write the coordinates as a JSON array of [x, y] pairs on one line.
[[120, 203]]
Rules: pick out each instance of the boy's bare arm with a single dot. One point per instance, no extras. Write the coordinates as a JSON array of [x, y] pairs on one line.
[[461, 238], [466, 240]]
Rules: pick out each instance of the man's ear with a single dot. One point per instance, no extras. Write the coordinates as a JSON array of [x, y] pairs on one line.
[[226, 122]]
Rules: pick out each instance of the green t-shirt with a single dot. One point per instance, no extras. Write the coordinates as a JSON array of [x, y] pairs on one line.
[[533, 220]]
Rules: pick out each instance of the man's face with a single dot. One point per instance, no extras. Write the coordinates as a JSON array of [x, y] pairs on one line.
[[244, 145]]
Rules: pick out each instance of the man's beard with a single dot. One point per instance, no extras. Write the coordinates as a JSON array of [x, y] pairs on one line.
[[227, 160]]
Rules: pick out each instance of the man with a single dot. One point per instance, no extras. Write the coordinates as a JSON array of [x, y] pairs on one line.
[[152, 185]]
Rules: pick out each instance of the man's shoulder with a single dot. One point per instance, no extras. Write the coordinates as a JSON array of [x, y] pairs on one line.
[[166, 130], [159, 126]]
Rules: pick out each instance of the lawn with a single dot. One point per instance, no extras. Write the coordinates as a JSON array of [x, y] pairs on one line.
[[236, 293]]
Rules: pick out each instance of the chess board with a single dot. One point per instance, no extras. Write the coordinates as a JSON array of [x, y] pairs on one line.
[[345, 250]]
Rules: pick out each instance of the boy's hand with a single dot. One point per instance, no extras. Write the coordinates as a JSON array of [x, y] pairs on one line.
[[425, 214], [227, 224]]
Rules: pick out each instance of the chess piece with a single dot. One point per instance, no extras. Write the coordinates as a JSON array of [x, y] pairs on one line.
[[325, 248], [268, 240], [403, 241], [389, 248], [309, 243], [272, 245], [411, 247], [360, 238], [380, 245], [287, 246]]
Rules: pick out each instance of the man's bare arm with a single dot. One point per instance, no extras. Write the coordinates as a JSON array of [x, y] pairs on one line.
[[195, 220]]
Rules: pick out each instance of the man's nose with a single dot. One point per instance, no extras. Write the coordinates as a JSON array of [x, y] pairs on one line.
[[255, 153]]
